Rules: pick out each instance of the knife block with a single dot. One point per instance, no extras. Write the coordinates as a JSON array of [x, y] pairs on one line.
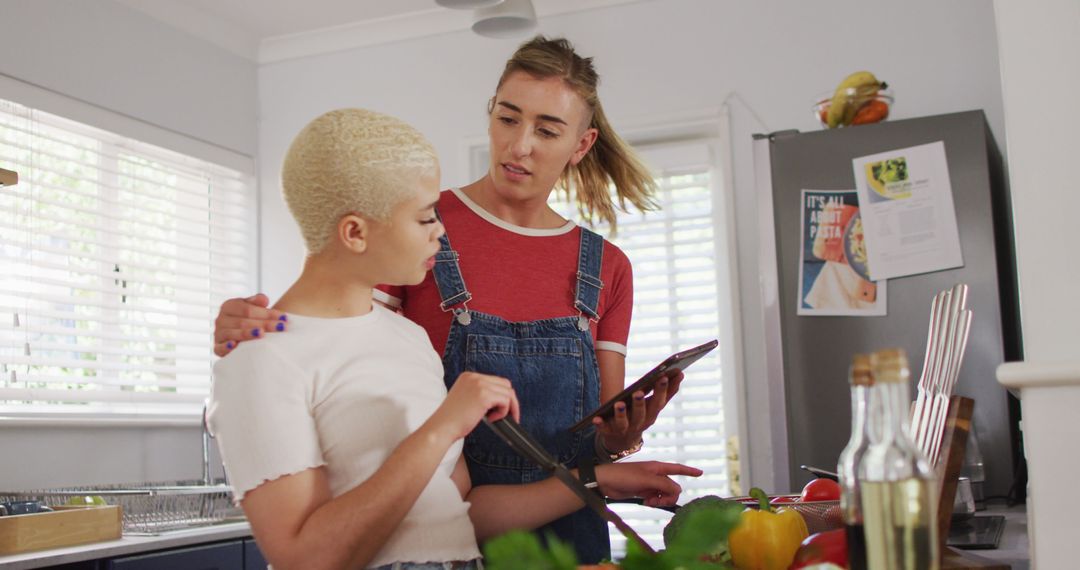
[[953, 445]]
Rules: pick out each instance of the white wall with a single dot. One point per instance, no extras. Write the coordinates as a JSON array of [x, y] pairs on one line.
[[157, 80], [655, 58], [120, 59], [1040, 60]]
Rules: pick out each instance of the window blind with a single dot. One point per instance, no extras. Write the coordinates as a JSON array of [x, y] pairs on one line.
[[677, 297], [117, 255]]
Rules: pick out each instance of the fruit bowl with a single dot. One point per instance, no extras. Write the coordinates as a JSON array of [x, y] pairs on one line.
[[870, 110]]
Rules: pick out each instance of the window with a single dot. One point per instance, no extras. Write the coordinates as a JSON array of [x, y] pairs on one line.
[[116, 255], [682, 298]]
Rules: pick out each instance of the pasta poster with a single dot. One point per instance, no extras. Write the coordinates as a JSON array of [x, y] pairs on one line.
[[834, 276]]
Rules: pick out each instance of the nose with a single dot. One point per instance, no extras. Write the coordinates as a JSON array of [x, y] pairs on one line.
[[438, 231], [521, 145]]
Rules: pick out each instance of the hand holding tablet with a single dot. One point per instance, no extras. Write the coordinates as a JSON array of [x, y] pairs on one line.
[[670, 366]]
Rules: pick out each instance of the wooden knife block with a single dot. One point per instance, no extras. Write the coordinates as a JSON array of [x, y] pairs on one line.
[[953, 445]]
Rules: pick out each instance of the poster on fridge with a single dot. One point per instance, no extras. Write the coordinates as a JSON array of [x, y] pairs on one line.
[[834, 276]]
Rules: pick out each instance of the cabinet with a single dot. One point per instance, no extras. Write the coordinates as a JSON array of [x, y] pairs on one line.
[[241, 554]]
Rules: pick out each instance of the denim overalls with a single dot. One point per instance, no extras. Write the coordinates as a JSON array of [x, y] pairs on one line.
[[552, 366]]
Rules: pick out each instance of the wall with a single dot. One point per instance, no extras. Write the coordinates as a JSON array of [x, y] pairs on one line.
[[1040, 55], [656, 58], [107, 62]]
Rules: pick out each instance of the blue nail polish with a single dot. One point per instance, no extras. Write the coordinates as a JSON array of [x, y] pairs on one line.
[[229, 345], [280, 327], [255, 332], [283, 318]]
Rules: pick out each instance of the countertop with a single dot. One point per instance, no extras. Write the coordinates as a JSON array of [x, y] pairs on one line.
[[125, 545], [1013, 549]]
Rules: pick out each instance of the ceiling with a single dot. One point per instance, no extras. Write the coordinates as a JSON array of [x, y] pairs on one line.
[[272, 30]]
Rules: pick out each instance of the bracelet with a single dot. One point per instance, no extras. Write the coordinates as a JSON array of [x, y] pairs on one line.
[[615, 456]]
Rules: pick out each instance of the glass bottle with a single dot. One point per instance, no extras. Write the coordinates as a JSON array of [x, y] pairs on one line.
[[898, 490], [861, 379]]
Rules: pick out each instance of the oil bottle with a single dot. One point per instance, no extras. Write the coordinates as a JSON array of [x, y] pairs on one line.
[[897, 487]]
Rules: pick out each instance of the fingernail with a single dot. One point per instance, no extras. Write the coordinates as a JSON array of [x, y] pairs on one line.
[[229, 345], [280, 327], [639, 397], [663, 382], [620, 406], [283, 318], [255, 332]]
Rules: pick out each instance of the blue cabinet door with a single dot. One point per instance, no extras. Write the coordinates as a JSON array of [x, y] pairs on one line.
[[253, 557], [219, 556]]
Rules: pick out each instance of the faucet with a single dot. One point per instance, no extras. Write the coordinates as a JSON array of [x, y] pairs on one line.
[[206, 480]]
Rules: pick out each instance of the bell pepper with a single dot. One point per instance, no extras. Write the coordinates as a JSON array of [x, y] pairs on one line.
[[766, 539]]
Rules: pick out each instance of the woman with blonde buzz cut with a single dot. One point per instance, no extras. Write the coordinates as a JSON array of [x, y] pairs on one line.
[[340, 439]]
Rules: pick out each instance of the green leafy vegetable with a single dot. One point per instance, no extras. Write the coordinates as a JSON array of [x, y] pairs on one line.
[[695, 539], [690, 536], [520, 550]]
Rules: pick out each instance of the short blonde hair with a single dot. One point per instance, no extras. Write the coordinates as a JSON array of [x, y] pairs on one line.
[[351, 161]]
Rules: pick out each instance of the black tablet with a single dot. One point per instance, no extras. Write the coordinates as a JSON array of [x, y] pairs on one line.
[[677, 361]]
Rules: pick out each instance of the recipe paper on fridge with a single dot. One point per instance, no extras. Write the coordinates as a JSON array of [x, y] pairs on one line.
[[907, 211]]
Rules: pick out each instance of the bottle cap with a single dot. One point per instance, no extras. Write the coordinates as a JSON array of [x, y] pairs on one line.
[[890, 365], [861, 373]]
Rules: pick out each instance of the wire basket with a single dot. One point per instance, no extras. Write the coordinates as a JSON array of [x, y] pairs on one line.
[[820, 516], [150, 508]]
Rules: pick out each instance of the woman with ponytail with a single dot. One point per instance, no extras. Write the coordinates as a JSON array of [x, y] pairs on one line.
[[518, 291]]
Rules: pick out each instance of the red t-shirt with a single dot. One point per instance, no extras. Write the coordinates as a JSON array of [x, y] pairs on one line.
[[518, 274]]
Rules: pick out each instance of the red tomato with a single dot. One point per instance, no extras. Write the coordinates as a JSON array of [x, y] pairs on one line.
[[821, 490], [829, 546]]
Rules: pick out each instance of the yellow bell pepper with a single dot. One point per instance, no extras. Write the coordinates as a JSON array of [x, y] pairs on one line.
[[766, 539]]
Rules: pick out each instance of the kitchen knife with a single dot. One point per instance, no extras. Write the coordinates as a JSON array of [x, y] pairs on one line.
[[521, 442]]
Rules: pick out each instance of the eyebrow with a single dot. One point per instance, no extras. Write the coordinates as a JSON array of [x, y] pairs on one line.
[[429, 206], [550, 118]]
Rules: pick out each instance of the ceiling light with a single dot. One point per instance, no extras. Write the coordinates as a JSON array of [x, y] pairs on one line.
[[467, 4], [508, 19]]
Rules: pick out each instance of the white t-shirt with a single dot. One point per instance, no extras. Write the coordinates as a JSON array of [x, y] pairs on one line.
[[341, 393]]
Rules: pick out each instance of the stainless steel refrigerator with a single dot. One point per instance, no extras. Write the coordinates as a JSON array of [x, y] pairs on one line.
[[810, 356]]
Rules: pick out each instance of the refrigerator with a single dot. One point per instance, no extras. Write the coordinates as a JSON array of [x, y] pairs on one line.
[[808, 356]]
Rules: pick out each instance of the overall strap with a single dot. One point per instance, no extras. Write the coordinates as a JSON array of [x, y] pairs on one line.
[[590, 259], [447, 274]]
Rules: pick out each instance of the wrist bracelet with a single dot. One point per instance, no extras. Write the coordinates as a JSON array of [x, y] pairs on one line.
[[615, 456]]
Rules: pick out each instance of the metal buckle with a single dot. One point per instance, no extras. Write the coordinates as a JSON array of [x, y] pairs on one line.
[[463, 316]]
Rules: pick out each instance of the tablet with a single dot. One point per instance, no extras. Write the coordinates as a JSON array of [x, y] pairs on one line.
[[677, 361]]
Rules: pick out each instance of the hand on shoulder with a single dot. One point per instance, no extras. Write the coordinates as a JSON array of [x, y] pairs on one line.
[[243, 319]]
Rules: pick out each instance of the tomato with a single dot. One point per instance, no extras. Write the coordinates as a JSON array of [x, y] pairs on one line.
[[821, 490], [829, 546]]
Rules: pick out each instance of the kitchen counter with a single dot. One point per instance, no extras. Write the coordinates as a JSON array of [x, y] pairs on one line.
[[125, 546], [1013, 549]]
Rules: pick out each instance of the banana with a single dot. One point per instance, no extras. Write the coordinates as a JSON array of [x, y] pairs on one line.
[[853, 91]]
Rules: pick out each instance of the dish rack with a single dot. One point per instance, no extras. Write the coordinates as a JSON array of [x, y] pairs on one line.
[[150, 508]]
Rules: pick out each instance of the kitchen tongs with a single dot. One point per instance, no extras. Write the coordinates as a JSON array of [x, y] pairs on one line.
[[521, 442]]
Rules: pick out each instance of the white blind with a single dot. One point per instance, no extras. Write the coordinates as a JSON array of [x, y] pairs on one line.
[[116, 255], [677, 294]]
